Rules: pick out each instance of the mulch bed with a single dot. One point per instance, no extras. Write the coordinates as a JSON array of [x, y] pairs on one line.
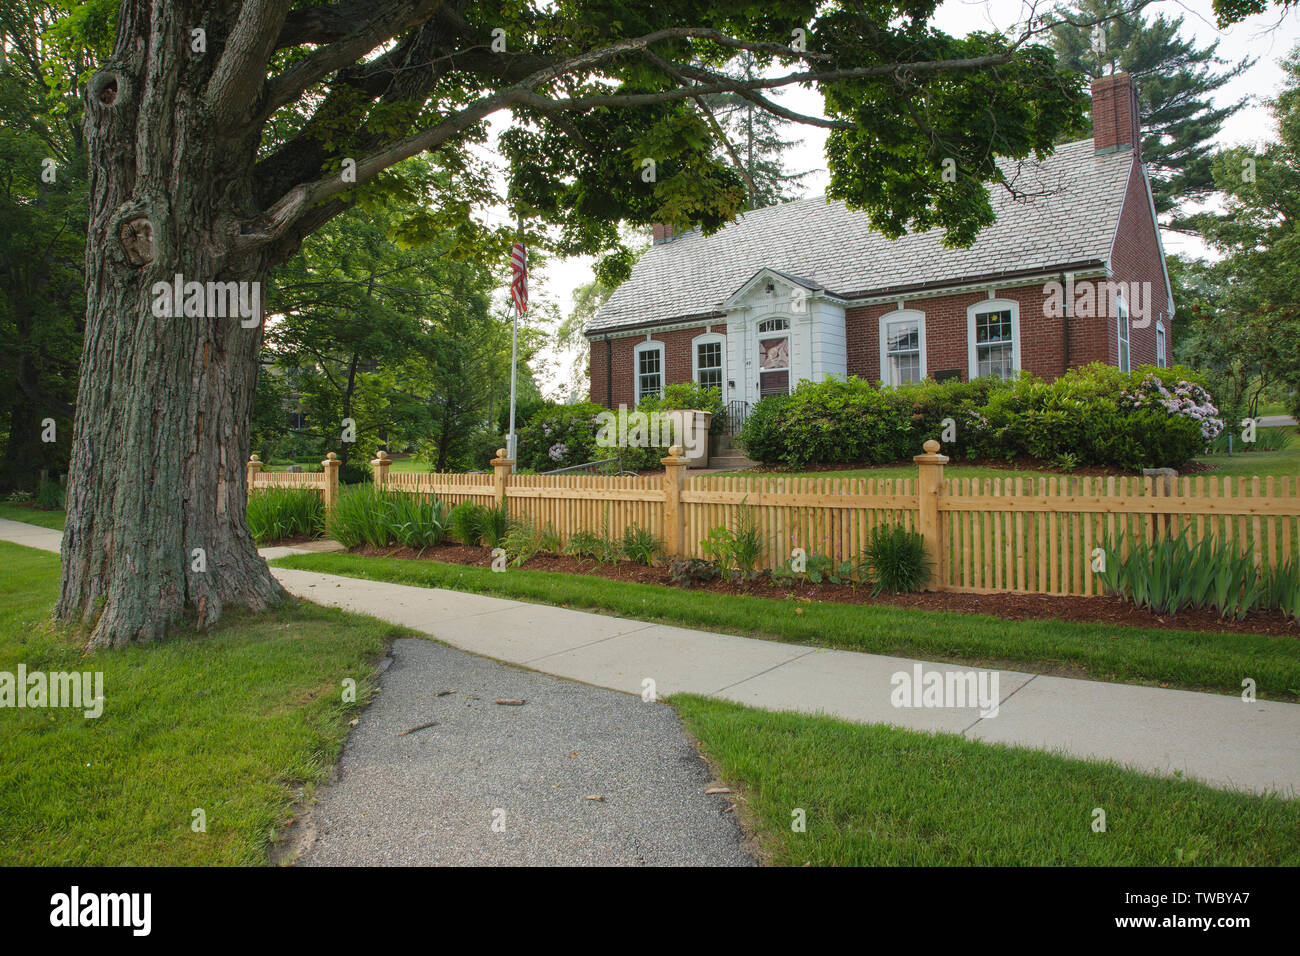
[[1014, 607]]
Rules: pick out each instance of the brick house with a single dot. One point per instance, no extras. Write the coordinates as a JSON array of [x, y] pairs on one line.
[[1072, 272]]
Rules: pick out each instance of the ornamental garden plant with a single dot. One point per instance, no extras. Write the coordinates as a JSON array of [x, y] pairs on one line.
[[1091, 416]]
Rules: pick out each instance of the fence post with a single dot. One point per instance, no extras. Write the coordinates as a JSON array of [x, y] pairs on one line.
[[674, 518], [330, 490], [929, 488], [254, 466], [501, 468], [379, 465]]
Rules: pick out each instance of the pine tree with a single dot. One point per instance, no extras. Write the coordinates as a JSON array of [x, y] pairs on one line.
[[1175, 80], [755, 141]]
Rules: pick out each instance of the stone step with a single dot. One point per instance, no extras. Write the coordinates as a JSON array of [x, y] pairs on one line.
[[732, 462]]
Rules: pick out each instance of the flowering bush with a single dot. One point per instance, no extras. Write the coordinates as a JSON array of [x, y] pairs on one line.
[[1097, 415], [1187, 400], [558, 436]]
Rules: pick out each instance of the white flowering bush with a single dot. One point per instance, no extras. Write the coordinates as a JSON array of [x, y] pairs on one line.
[[1185, 400]]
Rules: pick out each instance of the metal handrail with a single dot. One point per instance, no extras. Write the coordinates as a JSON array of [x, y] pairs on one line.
[[600, 467]]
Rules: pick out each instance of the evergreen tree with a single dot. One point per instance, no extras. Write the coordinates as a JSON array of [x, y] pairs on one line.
[[1176, 80], [754, 141]]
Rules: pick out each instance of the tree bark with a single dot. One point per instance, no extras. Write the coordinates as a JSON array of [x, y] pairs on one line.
[[165, 403]]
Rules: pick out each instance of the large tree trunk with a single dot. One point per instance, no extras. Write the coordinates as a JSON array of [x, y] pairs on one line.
[[165, 403]]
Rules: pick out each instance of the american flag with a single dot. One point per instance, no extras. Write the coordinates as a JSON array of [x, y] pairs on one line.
[[519, 284]]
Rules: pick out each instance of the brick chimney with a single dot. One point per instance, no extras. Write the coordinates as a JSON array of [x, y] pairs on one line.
[[662, 233], [1116, 123]]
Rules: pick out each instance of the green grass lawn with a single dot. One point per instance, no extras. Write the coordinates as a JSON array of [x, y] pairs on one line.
[[46, 519], [882, 796], [1207, 660], [236, 721], [233, 722]]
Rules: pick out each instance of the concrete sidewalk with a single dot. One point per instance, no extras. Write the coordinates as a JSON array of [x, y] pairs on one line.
[[1219, 739]]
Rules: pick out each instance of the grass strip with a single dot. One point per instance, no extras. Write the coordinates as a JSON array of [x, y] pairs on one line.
[[884, 796]]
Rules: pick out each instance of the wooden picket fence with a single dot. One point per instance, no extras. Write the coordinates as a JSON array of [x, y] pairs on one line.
[[325, 481], [983, 535]]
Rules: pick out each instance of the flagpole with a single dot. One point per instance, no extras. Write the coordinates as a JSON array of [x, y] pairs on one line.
[[514, 351]]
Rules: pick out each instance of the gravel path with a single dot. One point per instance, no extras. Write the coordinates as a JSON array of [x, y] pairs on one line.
[[433, 795]]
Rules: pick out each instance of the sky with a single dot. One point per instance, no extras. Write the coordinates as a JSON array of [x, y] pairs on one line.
[[1267, 37]]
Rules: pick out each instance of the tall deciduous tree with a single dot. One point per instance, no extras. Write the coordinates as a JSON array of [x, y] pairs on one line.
[[1246, 325], [42, 243], [221, 133]]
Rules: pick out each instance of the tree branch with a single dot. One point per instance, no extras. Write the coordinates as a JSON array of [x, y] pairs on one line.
[[380, 27], [238, 75]]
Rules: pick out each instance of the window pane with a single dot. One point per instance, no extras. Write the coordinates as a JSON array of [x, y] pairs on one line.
[[904, 368], [710, 378], [903, 336], [991, 327], [994, 360]]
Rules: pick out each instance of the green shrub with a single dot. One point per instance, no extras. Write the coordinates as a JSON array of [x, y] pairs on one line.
[[639, 545], [278, 513], [526, 539], [560, 436], [355, 471], [1171, 573], [895, 560], [814, 569], [1101, 416], [360, 517], [688, 395], [588, 544], [49, 496], [466, 522], [761, 437], [417, 521], [495, 522], [737, 549]]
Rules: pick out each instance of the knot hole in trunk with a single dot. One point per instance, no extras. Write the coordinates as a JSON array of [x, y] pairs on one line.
[[107, 89]]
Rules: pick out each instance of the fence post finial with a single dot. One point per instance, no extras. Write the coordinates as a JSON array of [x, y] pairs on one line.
[[674, 523], [929, 491], [330, 489], [254, 467], [380, 468], [502, 466]]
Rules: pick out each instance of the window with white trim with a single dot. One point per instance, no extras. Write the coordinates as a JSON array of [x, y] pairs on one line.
[[993, 338], [1122, 335], [707, 360], [902, 347], [1162, 348], [773, 325], [649, 359]]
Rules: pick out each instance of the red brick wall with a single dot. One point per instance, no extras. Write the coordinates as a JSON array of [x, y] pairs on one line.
[[677, 362], [1136, 258], [1041, 338]]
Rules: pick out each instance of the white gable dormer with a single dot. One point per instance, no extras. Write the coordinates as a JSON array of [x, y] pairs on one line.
[[781, 330]]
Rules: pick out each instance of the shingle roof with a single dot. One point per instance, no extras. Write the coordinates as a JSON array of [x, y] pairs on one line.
[[1070, 217]]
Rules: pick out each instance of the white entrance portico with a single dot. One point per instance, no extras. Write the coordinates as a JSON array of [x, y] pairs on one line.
[[781, 330]]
